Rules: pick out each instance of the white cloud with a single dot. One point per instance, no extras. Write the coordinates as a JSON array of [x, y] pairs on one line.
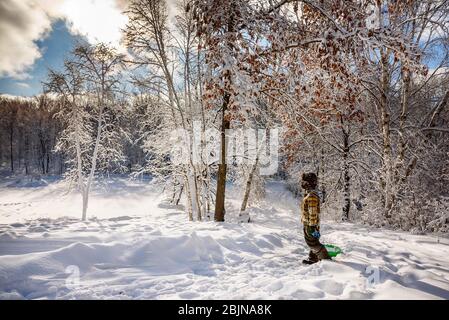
[[97, 20], [23, 22], [23, 85]]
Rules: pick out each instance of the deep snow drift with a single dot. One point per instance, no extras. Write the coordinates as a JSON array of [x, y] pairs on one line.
[[137, 246]]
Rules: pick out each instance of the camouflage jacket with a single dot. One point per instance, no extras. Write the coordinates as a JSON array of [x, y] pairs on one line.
[[310, 209]]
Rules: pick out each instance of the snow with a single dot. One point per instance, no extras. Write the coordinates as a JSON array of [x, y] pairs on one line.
[[137, 246]]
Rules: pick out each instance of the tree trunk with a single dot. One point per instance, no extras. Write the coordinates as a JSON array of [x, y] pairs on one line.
[[248, 187], [188, 197], [85, 204], [81, 185], [321, 175], [93, 167], [174, 192], [386, 178], [11, 150], [248, 191], [222, 167], [27, 154], [48, 163], [197, 196], [346, 178], [179, 195], [406, 79]]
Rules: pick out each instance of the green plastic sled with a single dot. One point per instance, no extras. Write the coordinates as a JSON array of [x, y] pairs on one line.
[[333, 250]]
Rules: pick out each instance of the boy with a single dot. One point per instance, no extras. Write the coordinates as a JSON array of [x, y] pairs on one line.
[[310, 209]]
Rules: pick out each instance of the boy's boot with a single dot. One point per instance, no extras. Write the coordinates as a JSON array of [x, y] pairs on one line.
[[313, 258]]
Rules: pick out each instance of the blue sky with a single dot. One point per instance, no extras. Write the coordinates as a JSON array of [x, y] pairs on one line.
[[53, 48], [37, 34]]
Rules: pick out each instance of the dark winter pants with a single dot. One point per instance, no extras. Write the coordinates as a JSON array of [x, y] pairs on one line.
[[317, 250]]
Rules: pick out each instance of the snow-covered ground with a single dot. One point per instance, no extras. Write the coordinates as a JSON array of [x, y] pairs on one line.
[[136, 246]]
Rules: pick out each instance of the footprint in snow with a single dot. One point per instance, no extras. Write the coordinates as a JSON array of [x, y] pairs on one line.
[[188, 295], [330, 287], [275, 286]]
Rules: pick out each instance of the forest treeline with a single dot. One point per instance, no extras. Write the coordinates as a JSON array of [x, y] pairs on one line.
[[359, 88]]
